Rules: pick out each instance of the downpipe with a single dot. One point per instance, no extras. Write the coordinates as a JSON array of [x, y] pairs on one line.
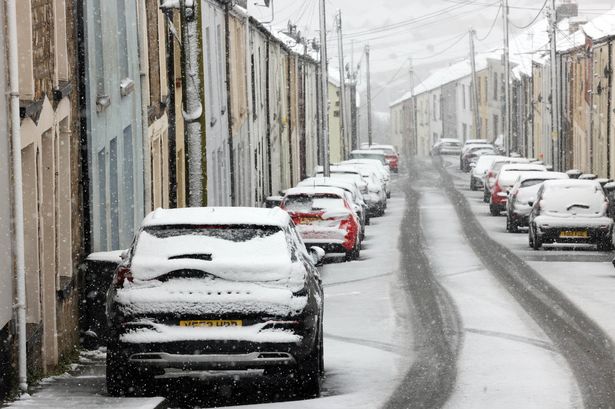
[[18, 220]]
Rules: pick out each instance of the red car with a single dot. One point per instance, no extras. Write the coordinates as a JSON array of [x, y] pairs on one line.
[[390, 155], [504, 182], [324, 218]]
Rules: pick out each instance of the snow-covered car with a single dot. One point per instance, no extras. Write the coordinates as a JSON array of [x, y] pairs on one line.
[[492, 174], [382, 172], [390, 154], [369, 154], [352, 174], [479, 170], [524, 191], [467, 145], [446, 146], [505, 181], [352, 191], [377, 192], [324, 218], [570, 211], [473, 152], [216, 289]]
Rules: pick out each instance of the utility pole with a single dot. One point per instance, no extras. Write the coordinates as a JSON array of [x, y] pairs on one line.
[[475, 116], [555, 132], [324, 94], [507, 102], [353, 72], [340, 52], [413, 114], [369, 97], [193, 103]]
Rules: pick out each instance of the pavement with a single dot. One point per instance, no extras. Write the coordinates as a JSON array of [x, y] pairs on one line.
[[82, 387]]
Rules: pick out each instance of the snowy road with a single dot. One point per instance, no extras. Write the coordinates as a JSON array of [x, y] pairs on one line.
[[570, 307]]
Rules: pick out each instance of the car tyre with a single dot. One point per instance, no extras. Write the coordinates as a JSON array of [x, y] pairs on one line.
[[605, 245], [355, 253], [494, 210], [307, 374], [486, 196], [536, 242], [472, 184]]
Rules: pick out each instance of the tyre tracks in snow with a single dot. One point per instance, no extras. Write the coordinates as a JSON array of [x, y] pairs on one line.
[[430, 380], [588, 350]]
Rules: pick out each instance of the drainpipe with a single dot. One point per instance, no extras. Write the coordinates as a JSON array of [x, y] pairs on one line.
[[143, 79], [20, 272]]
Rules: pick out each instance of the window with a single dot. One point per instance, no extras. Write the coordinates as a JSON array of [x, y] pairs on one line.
[[98, 49], [463, 96], [495, 86], [465, 132], [495, 125], [128, 184], [114, 195], [102, 199], [122, 39]]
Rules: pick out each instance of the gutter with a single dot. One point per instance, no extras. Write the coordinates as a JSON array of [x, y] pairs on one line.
[[18, 221]]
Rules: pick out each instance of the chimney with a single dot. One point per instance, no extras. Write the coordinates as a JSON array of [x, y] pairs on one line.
[[566, 9]]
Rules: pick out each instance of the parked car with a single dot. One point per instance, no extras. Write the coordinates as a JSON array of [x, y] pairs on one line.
[[353, 174], [473, 155], [524, 191], [369, 154], [570, 211], [447, 146], [479, 170], [505, 181], [466, 155], [470, 143], [324, 218], [390, 154], [382, 171], [492, 174], [358, 204], [376, 188], [216, 289]]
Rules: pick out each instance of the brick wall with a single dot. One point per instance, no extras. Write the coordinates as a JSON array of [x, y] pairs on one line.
[[43, 47]]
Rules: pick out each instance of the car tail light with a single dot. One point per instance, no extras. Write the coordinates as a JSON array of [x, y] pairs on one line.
[[122, 275]]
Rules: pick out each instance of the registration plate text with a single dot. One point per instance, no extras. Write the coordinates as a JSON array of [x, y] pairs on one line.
[[211, 323]]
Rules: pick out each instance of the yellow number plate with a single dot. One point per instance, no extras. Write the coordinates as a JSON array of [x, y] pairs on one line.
[[211, 323], [308, 220], [574, 234]]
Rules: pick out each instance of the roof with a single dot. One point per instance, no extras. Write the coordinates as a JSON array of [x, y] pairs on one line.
[[217, 216], [323, 181], [542, 175], [601, 26], [339, 169], [315, 190]]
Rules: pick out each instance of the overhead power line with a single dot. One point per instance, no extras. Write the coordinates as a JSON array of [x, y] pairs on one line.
[[495, 19], [533, 20]]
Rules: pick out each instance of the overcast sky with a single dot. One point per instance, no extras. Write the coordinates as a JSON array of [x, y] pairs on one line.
[[431, 32]]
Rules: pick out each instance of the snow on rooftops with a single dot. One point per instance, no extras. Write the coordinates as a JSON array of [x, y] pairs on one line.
[[338, 168], [314, 190], [217, 216], [601, 26]]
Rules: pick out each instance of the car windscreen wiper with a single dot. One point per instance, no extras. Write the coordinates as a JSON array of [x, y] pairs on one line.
[[582, 206]]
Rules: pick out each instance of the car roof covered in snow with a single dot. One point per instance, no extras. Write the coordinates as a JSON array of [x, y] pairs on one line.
[[371, 151], [522, 167], [332, 182], [541, 175], [315, 190], [339, 169], [559, 183], [217, 216]]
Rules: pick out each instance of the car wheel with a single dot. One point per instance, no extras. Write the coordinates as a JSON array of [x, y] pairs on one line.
[[472, 184], [307, 374], [605, 245], [507, 223], [486, 196], [494, 210], [514, 228], [355, 253], [530, 238], [388, 195], [536, 242], [119, 380]]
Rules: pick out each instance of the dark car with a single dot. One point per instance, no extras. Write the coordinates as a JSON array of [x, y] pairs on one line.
[[570, 211], [216, 289]]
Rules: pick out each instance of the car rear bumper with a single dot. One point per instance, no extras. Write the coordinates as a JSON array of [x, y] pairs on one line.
[[252, 360], [553, 235]]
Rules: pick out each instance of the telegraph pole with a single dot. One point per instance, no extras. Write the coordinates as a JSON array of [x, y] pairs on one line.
[[369, 97], [324, 94], [340, 52], [414, 139], [554, 87], [475, 117], [507, 102]]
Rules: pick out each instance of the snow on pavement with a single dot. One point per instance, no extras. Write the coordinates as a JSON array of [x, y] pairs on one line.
[[506, 360]]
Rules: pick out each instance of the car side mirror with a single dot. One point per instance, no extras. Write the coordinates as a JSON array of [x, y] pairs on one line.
[[318, 255], [124, 255], [530, 204]]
